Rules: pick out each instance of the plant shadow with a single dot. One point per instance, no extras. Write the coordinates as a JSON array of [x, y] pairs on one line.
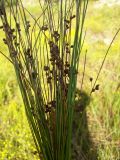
[[83, 148]]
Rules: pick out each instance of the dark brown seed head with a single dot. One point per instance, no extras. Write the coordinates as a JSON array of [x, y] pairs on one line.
[[97, 87], [56, 33], [14, 36], [1, 12], [13, 30], [51, 43], [91, 79], [47, 74], [67, 44], [17, 44], [67, 65], [46, 106], [44, 28], [28, 22], [52, 59], [68, 51], [46, 68], [28, 50], [1, 27], [72, 17], [47, 109], [93, 90], [56, 39], [66, 71], [52, 103], [51, 71], [19, 30], [28, 26], [49, 79], [67, 21], [34, 75], [5, 41], [67, 26]]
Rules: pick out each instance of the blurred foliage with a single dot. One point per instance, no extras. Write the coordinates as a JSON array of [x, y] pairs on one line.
[[16, 142], [15, 138]]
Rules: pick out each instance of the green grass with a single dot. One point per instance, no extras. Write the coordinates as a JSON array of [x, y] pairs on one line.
[[15, 137], [103, 112], [104, 19]]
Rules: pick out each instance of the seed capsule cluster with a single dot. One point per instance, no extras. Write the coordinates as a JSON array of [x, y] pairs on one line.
[[97, 86], [50, 106], [57, 70]]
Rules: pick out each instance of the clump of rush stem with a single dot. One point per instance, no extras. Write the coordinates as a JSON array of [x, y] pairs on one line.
[[45, 53]]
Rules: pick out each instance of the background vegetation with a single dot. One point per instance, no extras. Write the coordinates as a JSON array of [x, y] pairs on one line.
[[103, 111]]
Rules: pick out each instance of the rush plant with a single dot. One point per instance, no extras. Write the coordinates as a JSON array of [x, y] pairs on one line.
[[45, 53]]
